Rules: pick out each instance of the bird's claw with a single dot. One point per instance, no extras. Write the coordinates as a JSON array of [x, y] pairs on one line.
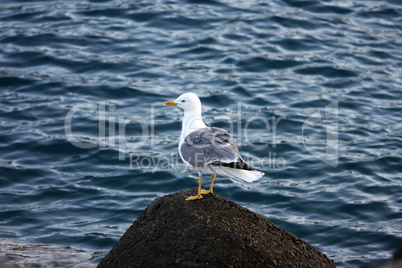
[[207, 192], [195, 197]]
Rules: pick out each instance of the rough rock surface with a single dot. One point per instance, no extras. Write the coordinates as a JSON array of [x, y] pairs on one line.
[[211, 232]]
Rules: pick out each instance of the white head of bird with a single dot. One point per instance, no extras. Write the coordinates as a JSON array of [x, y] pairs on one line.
[[191, 105], [189, 102]]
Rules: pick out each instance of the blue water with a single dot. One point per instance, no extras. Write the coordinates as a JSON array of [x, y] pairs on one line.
[[311, 91]]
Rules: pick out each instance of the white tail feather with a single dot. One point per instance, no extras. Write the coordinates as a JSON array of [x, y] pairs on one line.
[[240, 174]]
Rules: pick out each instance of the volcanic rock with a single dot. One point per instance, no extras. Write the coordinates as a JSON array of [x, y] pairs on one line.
[[210, 232]]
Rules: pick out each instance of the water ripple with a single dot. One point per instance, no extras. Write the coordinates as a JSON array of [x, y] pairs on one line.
[[254, 63]]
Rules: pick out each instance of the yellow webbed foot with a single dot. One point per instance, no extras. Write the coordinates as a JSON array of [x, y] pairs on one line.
[[211, 190], [195, 197], [198, 196], [207, 192]]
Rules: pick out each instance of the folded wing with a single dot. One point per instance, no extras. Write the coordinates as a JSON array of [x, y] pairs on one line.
[[212, 146]]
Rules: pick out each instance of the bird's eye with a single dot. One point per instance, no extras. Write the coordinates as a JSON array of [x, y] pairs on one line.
[[183, 101]]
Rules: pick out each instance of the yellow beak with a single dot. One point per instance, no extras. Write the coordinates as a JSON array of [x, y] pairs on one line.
[[170, 103]]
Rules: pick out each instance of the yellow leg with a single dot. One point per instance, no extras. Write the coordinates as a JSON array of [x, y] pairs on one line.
[[211, 190], [198, 196]]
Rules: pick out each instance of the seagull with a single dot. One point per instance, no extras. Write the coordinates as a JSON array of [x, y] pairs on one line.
[[208, 150]]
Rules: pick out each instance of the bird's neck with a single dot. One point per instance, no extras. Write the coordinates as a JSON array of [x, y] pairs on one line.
[[192, 121]]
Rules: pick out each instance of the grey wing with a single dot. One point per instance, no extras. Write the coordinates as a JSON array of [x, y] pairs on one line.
[[209, 146]]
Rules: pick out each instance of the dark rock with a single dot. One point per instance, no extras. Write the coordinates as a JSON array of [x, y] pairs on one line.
[[211, 232]]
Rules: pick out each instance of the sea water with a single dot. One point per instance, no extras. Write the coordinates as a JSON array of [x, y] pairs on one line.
[[311, 92]]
